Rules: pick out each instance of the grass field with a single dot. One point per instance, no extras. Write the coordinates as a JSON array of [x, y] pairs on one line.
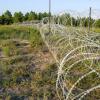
[[28, 70]]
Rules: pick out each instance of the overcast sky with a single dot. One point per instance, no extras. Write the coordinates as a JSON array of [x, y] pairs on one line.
[[42, 5]]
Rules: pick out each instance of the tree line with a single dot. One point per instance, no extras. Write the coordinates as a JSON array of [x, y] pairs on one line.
[[7, 18], [67, 20]]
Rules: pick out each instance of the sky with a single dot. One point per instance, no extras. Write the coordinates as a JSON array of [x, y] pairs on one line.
[[42, 5]]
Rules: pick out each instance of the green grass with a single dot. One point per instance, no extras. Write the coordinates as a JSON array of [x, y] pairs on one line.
[[22, 47], [97, 30], [21, 33], [20, 72]]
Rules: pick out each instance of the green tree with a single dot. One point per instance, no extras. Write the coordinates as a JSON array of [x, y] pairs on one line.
[[40, 16], [45, 15], [32, 16], [86, 22], [26, 16], [65, 19], [8, 14], [18, 17], [2, 20], [6, 18], [97, 23]]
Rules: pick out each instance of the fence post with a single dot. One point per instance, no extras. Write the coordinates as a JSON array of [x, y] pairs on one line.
[[89, 24], [49, 16]]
